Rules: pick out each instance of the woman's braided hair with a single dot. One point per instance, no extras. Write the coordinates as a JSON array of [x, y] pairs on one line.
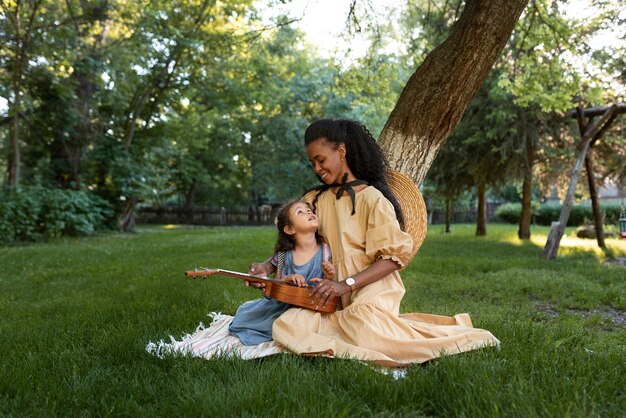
[[363, 155]]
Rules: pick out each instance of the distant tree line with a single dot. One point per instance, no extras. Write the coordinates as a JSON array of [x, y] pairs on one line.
[[151, 103]]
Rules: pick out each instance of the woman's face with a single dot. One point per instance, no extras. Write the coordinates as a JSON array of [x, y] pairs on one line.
[[328, 161]]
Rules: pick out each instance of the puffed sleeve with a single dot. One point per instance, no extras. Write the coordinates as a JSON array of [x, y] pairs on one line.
[[384, 238]]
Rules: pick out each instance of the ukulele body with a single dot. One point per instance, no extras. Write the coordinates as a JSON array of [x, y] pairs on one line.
[[275, 289]]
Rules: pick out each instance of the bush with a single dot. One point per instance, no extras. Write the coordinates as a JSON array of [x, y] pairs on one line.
[[510, 212], [37, 212], [545, 214]]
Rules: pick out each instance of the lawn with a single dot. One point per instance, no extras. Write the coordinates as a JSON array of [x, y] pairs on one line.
[[76, 315]]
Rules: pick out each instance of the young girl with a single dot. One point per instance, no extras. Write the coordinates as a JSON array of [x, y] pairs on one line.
[[306, 257]]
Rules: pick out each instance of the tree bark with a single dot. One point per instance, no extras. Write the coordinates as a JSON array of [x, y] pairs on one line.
[[448, 214], [481, 212], [190, 198], [595, 204], [526, 216], [436, 95], [14, 171], [128, 218], [22, 42]]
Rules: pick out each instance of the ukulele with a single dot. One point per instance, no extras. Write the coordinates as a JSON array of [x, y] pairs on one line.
[[276, 289]]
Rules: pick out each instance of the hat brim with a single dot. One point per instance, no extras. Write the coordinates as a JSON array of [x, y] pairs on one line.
[[413, 207]]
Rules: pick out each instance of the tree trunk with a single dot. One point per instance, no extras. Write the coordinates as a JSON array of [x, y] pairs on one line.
[[595, 204], [481, 212], [436, 95], [551, 248], [447, 214], [128, 218], [190, 197], [22, 42], [14, 171], [525, 217]]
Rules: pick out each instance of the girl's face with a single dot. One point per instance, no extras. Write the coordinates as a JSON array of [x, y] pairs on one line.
[[328, 161], [301, 219]]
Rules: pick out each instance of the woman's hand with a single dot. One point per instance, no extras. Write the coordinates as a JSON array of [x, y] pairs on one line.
[[295, 278], [329, 270], [326, 289]]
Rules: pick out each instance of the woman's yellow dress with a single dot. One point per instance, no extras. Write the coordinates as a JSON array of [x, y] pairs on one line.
[[370, 326]]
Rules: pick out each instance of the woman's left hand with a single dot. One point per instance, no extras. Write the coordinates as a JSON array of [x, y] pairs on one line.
[[326, 289]]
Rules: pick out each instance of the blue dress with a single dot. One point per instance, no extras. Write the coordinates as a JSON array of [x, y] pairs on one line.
[[254, 319]]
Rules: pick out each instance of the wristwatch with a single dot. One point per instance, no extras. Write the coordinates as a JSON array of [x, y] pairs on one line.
[[351, 282]]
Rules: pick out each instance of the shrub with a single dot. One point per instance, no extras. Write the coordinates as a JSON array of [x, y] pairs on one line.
[[580, 215], [547, 213], [510, 212], [36, 212]]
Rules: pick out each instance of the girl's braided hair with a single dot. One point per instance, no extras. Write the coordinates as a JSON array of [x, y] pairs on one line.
[[363, 155]]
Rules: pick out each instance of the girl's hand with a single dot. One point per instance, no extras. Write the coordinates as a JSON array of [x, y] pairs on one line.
[[329, 270], [323, 290], [295, 278], [257, 269]]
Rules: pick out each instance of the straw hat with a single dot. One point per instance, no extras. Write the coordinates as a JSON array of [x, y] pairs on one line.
[[412, 204]]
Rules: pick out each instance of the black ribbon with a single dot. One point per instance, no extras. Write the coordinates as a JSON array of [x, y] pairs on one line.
[[346, 186]]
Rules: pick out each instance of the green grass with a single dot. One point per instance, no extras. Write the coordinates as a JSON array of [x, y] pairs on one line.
[[76, 314]]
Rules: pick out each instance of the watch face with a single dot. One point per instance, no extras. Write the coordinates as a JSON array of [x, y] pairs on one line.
[[350, 281]]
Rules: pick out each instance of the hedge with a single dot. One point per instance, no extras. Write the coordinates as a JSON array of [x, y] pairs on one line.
[[545, 214], [36, 212]]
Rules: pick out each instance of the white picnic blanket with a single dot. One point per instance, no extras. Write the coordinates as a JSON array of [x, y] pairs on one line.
[[214, 341]]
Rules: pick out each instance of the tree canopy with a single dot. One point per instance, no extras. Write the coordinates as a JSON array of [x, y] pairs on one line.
[[202, 102]]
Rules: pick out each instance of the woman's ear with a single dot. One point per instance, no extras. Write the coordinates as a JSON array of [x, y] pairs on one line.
[[288, 229], [341, 149]]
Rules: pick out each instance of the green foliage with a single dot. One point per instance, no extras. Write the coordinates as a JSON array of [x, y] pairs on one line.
[[479, 149], [37, 212], [511, 212], [218, 99], [545, 214], [580, 214], [76, 315], [546, 50]]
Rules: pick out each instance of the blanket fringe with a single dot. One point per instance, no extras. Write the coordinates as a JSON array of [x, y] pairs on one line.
[[214, 341]]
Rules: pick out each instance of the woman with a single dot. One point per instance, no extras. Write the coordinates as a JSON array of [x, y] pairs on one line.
[[361, 220]]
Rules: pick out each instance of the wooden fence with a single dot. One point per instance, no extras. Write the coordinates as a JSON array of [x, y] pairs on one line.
[[205, 216], [217, 216], [437, 216]]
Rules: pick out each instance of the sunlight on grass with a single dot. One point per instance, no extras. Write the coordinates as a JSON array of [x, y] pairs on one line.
[[614, 247], [571, 243], [539, 239]]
